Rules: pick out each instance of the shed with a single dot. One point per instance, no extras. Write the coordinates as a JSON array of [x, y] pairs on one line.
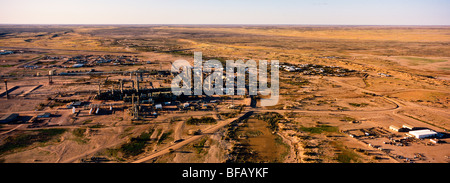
[[434, 141], [408, 126], [394, 128]]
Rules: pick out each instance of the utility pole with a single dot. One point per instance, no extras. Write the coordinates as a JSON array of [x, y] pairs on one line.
[[138, 107], [6, 88]]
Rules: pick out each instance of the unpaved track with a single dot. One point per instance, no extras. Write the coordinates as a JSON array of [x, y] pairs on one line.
[[191, 139], [179, 130]]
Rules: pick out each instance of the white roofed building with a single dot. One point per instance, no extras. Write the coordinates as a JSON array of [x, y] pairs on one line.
[[420, 134]]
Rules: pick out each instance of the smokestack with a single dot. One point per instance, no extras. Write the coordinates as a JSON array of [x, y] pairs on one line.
[[138, 107], [121, 86], [99, 88], [50, 80], [137, 82]]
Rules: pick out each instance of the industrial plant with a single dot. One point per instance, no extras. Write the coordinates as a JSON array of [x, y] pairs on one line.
[[103, 94]]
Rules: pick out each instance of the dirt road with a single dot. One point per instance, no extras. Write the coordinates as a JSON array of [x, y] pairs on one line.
[[247, 112]]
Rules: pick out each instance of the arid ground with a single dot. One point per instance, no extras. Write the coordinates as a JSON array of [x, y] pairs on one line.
[[351, 85]]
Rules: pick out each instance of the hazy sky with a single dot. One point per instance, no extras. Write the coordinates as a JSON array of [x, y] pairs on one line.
[[349, 12]]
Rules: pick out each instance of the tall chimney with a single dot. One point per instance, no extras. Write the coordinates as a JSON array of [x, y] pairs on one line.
[[137, 83], [50, 80], [121, 86], [99, 87]]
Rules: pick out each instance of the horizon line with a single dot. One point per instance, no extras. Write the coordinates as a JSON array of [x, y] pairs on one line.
[[256, 24]]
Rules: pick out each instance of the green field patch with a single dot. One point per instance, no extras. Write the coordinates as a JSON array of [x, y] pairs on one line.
[[414, 61], [202, 120], [24, 140], [319, 129], [136, 145], [359, 104]]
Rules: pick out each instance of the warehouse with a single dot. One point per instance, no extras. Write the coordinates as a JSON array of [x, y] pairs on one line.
[[420, 134]]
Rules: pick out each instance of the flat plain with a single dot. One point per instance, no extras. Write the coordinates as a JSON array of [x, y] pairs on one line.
[[341, 87]]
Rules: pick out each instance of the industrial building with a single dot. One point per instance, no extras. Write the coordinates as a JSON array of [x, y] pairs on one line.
[[420, 134], [44, 115], [409, 127], [398, 129], [75, 104]]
